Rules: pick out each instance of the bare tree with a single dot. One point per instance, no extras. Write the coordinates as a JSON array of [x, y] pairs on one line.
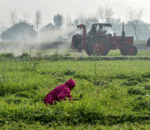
[[81, 18], [134, 17], [63, 21], [108, 13], [2, 28], [104, 13], [25, 16], [100, 13], [13, 16], [90, 19], [38, 19], [68, 21]]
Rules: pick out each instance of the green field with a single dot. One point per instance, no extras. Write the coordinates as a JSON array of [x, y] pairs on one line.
[[74, 53], [112, 94]]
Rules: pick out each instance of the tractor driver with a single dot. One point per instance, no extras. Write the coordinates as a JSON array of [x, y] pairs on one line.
[[92, 31], [100, 30]]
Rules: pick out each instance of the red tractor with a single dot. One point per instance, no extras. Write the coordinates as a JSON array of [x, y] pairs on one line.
[[99, 43]]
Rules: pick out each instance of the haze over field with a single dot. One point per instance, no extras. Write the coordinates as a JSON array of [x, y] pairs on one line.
[[49, 8], [25, 11]]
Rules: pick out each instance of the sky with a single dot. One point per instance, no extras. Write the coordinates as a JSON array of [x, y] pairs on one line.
[[72, 8]]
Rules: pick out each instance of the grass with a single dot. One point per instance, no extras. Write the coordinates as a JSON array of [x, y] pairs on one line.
[[112, 94]]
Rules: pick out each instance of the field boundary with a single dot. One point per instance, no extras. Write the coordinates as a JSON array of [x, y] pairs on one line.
[[80, 58]]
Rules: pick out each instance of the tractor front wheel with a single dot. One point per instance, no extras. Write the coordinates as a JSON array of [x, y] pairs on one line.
[[131, 50], [122, 52], [99, 46]]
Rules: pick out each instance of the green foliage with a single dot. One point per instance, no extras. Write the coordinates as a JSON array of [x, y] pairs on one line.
[[101, 83], [139, 79], [69, 72], [121, 76], [11, 88], [25, 55], [67, 54], [147, 87], [130, 83], [81, 76], [141, 103], [134, 81], [145, 75], [16, 101], [58, 20], [136, 91], [7, 55], [23, 94], [56, 57], [98, 107]]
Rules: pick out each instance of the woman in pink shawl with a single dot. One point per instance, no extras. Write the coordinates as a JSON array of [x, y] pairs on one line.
[[60, 92]]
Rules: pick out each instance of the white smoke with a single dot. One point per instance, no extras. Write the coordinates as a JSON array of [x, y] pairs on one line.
[[53, 35], [110, 31], [26, 42]]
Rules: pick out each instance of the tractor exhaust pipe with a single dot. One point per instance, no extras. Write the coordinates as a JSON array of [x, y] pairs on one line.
[[123, 33]]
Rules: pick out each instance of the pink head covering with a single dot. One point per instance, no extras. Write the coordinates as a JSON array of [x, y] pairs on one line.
[[70, 83]]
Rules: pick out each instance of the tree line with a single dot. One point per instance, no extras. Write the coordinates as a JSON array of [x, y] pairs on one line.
[[134, 26]]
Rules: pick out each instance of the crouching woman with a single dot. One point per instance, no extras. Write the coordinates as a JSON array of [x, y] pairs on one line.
[[60, 92]]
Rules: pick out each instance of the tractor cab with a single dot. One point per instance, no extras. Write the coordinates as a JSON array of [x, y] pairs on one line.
[[98, 28], [101, 27]]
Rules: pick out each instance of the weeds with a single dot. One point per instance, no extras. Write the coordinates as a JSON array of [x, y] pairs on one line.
[[81, 76], [8, 55], [101, 83], [69, 72], [67, 54], [134, 81], [130, 83], [147, 87], [23, 92], [146, 75], [56, 57], [141, 103], [136, 91], [139, 79], [25, 55]]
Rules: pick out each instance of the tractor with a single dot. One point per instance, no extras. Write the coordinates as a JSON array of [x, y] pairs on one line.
[[98, 42]]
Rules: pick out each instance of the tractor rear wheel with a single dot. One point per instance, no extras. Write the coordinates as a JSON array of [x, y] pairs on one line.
[[99, 46], [131, 50], [88, 52]]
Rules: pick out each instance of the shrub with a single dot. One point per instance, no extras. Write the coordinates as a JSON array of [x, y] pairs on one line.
[[8, 55], [136, 91], [139, 79], [25, 55], [81, 76], [141, 103], [130, 83], [69, 72], [68, 54], [23, 94], [134, 81], [56, 56], [147, 87], [98, 82], [121, 76], [16, 101], [146, 75]]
